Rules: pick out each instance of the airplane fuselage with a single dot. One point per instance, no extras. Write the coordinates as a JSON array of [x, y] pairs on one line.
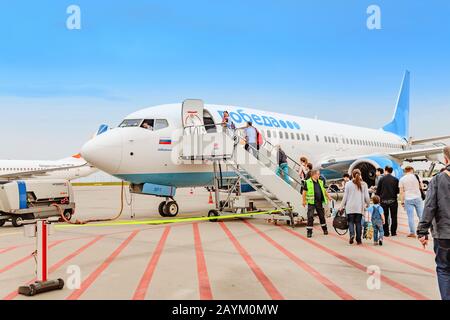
[[139, 155]]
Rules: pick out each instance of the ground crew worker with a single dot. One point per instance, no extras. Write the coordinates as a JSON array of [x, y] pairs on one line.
[[315, 196]]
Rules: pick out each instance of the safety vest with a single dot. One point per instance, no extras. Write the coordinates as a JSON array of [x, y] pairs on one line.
[[310, 196]]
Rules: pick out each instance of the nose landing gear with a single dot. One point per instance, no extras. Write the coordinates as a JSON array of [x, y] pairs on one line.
[[168, 208]]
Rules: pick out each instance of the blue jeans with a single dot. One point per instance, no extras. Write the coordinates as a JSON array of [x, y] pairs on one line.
[[378, 231], [285, 169], [442, 250], [354, 225], [410, 206]]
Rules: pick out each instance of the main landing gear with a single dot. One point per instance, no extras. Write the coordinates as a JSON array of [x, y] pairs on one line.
[[168, 208]]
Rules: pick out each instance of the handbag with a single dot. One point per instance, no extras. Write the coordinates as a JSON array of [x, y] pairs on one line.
[[340, 222], [422, 193]]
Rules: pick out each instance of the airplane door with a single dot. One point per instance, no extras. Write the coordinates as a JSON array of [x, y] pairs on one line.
[[339, 144], [192, 114]]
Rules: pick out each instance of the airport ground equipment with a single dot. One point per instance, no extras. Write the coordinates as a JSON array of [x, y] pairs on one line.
[[40, 229], [32, 199], [234, 167]]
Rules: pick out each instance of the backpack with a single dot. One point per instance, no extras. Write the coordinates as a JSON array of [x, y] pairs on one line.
[[259, 138], [376, 213]]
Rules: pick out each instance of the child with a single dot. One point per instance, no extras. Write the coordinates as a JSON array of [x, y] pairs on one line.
[[375, 215]]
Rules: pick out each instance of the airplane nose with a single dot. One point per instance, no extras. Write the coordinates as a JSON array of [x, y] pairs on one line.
[[105, 151]]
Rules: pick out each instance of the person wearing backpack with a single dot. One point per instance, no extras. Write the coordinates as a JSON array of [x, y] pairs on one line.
[[411, 193], [436, 216], [375, 215]]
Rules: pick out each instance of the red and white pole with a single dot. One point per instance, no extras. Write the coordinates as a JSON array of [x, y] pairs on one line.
[[42, 249]]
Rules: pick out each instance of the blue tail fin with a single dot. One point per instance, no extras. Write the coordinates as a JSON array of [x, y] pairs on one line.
[[400, 123]]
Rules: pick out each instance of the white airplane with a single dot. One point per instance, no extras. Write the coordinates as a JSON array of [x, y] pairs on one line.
[[136, 154], [68, 168]]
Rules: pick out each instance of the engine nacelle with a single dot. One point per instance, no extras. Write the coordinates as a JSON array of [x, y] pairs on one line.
[[369, 165]]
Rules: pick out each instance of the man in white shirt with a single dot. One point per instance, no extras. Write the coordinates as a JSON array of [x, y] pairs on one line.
[[251, 138], [411, 198]]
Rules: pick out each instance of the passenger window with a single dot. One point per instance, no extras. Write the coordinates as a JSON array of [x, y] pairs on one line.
[[325, 139], [161, 124], [317, 138], [292, 136], [286, 135], [307, 137], [298, 136], [303, 136], [269, 134], [280, 134]]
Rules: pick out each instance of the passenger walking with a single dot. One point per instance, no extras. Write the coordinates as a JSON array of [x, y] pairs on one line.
[[303, 170], [356, 197], [375, 215], [251, 139], [379, 173], [283, 167], [225, 119], [436, 216], [309, 168], [315, 196], [388, 191], [411, 190]]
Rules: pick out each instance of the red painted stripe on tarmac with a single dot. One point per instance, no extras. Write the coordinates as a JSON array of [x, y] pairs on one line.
[[144, 284], [202, 270], [357, 265], [57, 265], [8, 249], [260, 275], [388, 255], [341, 293], [26, 258], [94, 275], [417, 248]]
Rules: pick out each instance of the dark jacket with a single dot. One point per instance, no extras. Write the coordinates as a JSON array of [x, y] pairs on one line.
[[387, 188], [282, 158], [436, 213]]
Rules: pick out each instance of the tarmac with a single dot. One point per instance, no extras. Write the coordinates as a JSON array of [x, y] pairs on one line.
[[233, 259]]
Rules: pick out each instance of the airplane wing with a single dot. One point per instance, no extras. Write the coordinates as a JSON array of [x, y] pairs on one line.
[[420, 141], [37, 173], [415, 153], [340, 165]]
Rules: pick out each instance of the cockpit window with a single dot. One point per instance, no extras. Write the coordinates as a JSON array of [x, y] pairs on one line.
[[130, 123], [148, 124], [161, 124]]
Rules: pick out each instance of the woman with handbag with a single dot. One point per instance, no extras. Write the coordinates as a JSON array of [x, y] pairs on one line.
[[356, 198]]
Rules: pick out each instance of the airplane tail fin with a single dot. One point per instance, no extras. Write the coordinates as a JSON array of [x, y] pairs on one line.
[[400, 122]]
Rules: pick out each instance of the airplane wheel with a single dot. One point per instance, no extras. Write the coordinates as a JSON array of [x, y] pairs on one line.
[[161, 209], [171, 209], [68, 214], [213, 213], [2, 223], [17, 221]]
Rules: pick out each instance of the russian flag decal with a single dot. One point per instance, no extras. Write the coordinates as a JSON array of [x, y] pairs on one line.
[[165, 141]]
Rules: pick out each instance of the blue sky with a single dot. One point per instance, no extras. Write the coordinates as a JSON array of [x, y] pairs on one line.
[[310, 58]]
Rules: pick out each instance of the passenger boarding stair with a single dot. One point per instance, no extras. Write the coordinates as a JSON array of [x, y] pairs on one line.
[[227, 148]]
